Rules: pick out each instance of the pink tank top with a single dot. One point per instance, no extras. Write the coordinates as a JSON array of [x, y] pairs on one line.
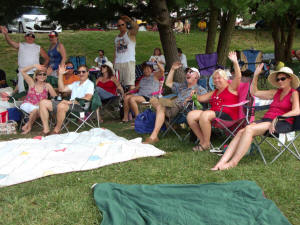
[[225, 98], [35, 97], [278, 108]]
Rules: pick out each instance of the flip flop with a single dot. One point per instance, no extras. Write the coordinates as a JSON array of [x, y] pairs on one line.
[[197, 148]]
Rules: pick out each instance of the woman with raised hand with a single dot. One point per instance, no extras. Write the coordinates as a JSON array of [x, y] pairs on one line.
[[225, 94], [38, 90], [285, 103]]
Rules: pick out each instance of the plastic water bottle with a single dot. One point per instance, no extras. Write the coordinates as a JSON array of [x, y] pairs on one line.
[[196, 102]]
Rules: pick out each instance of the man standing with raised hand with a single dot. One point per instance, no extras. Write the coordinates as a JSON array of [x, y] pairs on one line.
[[124, 57], [29, 54]]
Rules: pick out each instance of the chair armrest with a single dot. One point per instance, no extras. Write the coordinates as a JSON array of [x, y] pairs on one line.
[[236, 105]]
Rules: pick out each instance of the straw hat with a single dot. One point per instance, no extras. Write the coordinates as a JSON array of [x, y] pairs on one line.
[[110, 65], [273, 75]]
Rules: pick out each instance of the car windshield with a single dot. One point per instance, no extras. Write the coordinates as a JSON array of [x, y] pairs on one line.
[[34, 11]]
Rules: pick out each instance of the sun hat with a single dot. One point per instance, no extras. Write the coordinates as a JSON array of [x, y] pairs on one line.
[[273, 75], [110, 65], [53, 34]]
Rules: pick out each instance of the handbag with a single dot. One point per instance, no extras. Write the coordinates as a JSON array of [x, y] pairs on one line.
[[10, 127]]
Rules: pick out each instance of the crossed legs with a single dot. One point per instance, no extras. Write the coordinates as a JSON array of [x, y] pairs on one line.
[[240, 144]]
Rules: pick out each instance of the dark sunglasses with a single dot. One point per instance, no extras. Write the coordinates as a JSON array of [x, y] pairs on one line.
[[69, 67], [104, 66], [42, 74], [281, 79], [121, 25], [81, 71], [30, 35]]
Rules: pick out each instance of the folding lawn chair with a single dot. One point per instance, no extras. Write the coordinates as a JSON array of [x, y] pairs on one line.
[[77, 61], [285, 139], [84, 116], [231, 127], [180, 118]]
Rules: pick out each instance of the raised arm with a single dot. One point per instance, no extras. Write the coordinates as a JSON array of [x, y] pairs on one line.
[[234, 85], [268, 94], [8, 39], [135, 27], [61, 86], [170, 77], [44, 56], [29, 80], [161, 72]]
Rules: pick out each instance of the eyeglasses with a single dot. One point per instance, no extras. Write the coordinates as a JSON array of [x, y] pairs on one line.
[[69, 67], [120, 25], [104, 66], [81, 71], [42, 74], [281, 79]]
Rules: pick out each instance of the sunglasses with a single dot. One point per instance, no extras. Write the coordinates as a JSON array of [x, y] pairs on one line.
[[30, 35], [69, 67], [121, 25], [42, 74], [281, 79], [81, 71]]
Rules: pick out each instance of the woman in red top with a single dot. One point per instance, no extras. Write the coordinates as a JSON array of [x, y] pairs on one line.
[[107, 84], [285, 103], [225, 94]]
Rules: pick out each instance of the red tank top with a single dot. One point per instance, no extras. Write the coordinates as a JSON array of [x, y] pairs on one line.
[[35, 97], [108, 86], [278, 108], [225, 98]]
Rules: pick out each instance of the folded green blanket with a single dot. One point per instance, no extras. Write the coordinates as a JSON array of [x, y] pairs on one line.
[[234, 203]]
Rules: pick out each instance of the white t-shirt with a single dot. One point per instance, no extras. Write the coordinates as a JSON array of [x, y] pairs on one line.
[[79, 91], [29, 54], [183, 61], [101, 61], [125, 49]]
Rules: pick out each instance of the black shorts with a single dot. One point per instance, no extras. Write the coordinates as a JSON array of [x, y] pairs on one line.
[[223, 116], [75, 107], [146, 98], [282, 126]]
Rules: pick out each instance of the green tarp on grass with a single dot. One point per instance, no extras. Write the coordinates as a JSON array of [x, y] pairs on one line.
[[234, 203]]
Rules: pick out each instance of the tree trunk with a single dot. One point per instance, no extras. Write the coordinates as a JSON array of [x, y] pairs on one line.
[[161, 15], [279, 40], [227, 26], [290, 39], [212, 29]]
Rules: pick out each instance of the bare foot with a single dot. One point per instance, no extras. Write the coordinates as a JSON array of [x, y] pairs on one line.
[[26, 131], [226, 166], [25, 127]]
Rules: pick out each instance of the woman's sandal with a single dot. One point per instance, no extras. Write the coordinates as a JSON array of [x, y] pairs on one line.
[[199, 148]]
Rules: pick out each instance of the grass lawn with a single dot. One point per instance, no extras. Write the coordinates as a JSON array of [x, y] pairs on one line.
[[67, 198]]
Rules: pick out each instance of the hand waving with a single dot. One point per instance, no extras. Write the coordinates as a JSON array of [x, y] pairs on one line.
[[176, 65], [232, 56], [258, 69]]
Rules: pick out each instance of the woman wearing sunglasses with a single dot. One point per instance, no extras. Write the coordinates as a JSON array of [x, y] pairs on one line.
[[38, 90], [285, 103]]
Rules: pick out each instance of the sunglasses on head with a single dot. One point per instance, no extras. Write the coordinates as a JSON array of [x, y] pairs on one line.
[[42, 74], [69, 67], [81, 71], [120, 25], [281, 79]]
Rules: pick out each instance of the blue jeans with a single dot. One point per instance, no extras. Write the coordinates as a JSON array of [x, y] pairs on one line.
[[104, 94]]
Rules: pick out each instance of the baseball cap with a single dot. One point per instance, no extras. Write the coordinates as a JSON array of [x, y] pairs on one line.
[[53, 34], [29, 33], [194, 70]]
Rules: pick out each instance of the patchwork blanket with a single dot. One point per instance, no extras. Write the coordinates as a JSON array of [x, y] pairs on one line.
[[28, 159], [233, 203]]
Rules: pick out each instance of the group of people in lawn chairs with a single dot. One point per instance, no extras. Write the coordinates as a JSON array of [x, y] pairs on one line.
[[285, 100]]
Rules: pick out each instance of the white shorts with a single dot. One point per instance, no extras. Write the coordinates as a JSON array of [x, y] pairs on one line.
[[28, 107], [127, 72]]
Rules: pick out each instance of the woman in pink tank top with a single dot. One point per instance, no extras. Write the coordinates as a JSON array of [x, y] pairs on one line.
[[38, 90], [285, 103], [225, 94]]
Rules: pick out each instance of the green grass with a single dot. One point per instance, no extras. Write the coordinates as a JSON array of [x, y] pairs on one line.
[[67, 198]]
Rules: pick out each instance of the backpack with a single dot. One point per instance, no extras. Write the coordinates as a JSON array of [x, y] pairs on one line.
[[145, 121]]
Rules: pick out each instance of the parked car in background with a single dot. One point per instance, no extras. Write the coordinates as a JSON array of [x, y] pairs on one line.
[[34, 19]]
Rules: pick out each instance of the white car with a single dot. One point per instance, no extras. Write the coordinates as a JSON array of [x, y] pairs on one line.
[[35, 20]]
